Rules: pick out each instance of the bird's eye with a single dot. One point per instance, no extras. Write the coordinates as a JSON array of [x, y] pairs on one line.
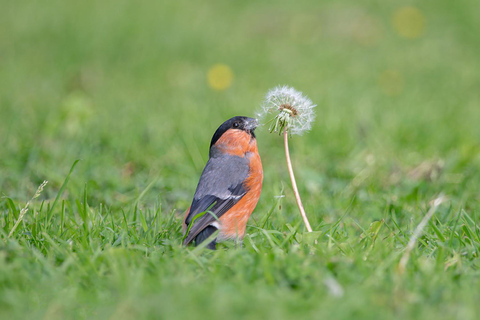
[[236, 124]]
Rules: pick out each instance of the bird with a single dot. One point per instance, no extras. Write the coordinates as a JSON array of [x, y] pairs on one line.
[[229, 187]]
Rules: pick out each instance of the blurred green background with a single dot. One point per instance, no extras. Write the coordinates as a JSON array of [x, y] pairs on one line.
[[123, 86], [137, 89]]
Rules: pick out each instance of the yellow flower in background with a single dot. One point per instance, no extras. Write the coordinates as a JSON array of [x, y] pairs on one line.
[[409, 22], [220, 77]]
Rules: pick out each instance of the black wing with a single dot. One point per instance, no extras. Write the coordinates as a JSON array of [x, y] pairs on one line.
[[220, 187]]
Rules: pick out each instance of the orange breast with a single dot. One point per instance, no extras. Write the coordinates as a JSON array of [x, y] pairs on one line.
[[234, 222]]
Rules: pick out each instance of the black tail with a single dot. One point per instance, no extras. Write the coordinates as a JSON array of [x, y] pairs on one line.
[[204, 234]]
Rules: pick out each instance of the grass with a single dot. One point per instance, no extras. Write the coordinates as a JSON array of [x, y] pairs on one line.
[[122, 87]]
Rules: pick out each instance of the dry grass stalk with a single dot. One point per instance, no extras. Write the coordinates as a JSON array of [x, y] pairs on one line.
[[25, 209]]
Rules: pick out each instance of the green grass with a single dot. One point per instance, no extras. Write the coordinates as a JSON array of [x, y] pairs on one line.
[[122, 86]]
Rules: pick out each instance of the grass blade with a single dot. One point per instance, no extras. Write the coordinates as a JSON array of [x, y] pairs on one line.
[[62, 189]]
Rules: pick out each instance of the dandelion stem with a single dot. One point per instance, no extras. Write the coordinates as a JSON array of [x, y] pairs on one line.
[[294, 183]]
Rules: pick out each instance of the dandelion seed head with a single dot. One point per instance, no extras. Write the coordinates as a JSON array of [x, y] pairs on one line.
[[291, 110]]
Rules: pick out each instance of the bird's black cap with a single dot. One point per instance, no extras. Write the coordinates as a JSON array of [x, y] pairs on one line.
[[239, 123]]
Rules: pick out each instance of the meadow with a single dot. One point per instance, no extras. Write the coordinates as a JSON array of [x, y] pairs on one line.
[[114, 104]]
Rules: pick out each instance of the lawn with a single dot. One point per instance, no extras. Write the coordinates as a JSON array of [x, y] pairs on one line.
[[135, 91]]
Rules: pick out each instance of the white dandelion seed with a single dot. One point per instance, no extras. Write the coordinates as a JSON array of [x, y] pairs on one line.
[[293, 114], [293, 111]]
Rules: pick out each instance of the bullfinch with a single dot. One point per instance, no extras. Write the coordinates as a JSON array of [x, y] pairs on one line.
[[229, 187]]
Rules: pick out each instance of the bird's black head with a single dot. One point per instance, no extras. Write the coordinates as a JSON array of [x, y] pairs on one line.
[[238, 123]]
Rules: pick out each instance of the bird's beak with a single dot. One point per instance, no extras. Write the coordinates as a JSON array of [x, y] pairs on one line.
[[251, 124]]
